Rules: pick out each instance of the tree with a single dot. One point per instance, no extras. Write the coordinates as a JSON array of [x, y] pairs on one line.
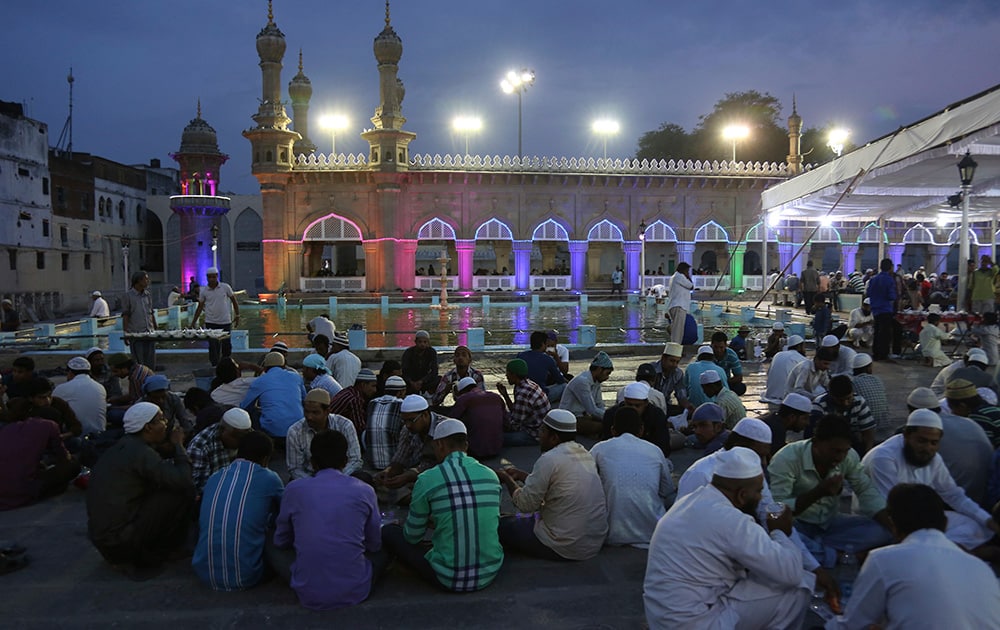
[[669, 142]]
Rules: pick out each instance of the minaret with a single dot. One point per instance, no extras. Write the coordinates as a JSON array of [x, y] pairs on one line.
[[300, 90], [199, 207], [388, 142], [271, 139], [794, 158]]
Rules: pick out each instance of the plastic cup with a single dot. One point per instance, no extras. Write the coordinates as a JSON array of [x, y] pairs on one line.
[[775, 509]]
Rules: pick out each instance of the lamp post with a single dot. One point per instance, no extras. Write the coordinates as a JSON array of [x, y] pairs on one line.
[[518, 82], [466, 125], [642, 257], [126, 241], [333, 122], [735, 133], [605, 127], [966, 171], [837, 139], [215, 245]]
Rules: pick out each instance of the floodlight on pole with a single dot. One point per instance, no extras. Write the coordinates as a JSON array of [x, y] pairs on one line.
[[466, 125], [605, 127], [642, 256], [516, 82], [735, 133], [836, 140], [333, 122]]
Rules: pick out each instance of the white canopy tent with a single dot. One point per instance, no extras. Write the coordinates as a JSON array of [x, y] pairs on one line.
[[907, 175]]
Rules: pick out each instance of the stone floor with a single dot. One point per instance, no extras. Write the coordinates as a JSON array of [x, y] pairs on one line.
[[68, 585]]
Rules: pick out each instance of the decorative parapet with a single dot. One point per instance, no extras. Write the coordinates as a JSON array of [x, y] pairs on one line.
[[199, 204], [535, 164]]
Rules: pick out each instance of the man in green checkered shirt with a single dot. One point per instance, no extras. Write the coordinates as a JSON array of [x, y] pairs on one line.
[[462, 499]]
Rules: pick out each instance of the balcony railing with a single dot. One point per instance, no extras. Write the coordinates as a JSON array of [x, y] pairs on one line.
[[332, 284]]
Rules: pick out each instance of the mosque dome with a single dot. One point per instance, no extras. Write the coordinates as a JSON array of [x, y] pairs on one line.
[[199, 137], [300, 87], [388, 46], [271, 42]]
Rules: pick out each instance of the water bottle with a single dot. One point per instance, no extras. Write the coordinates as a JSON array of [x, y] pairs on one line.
[[847, 571]]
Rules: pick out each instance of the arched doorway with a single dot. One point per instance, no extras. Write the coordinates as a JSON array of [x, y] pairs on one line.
[[711, 251], [954, 264], [755, 270], [604, 253], [332, 256], [248, 263], [549, 256], [434, 238], [493, 268], [825, 250], [660, 254]]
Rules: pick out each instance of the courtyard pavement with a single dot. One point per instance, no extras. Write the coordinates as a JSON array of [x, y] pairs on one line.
[[68, 585]]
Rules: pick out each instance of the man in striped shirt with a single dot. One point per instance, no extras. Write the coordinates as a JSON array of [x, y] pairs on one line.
[[462, 499], [842, 401], [526, 411], [239, 502]]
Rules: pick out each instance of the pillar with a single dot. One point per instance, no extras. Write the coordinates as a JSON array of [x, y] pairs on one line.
[[502, 249], [633, 269], [294, 254], [578, 264], [938, 258], [522, 265], [464, 250], [685, 252], [785, 253], [736, 253], [548, 250], [800, 263], [405, 263], [895, 253], [849, 258]]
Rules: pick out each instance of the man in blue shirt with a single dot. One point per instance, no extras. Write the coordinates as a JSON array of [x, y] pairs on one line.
[[726, 358], [882, 294], [279, 393], [542, 369], [239, 504], [705, 362]]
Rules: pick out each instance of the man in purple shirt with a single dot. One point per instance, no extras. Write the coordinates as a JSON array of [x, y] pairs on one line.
[[334, 523], [482, 413], [882, 294]]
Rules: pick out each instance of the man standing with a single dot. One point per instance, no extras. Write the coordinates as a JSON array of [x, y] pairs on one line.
[[679, 303], [279, 393], [137, 317], [882, 294], [810, 286], [808, 476], [700, 579], [583, 397], [913, 458], [332, 520], [482, 412], [343, 364], [420, 365], [11, 318], [215, 446], [565, 487], [637, 481], [617, 281], [669, 378], [240, 501], [463, 368], [99, 306], [861, 325], [460, 499], [781, 366], [86, 397], [317, 419], [924, 581], [215, 300], [139, 504], [529, 407], [981, 286]]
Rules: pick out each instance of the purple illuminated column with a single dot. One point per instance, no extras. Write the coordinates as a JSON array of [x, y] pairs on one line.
[[895, 253], [785, 252], [465, 250], [578, 264], [405, 263], [685, 252], [522, 265], [849, 258], [633, 251]]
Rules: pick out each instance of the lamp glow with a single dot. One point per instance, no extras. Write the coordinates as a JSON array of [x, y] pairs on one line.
[[518, 81], [837, 139], [735, 133], [333, 123], [467, 125], [605, 127]]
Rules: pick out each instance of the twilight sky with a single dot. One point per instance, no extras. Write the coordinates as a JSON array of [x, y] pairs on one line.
[[140, 66]]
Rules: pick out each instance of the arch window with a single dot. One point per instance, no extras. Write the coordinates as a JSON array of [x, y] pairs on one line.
[[711, 232], [436, 230], [332, 227], [605, 231], [550, 230], [494, 230]]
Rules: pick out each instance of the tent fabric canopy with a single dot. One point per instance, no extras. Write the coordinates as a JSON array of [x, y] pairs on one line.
[[907, 175]]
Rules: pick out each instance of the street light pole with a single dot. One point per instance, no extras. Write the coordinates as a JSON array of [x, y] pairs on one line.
[[467, 125], [605, 127], [215, 245], [518, 82], [126, 241], [735, 133], [966, 171], [642, 258], [333, 122]]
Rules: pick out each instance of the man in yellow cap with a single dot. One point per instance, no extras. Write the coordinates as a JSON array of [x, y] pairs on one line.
[[964, 400]]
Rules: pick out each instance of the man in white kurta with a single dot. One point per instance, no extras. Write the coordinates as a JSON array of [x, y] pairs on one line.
[[637, 481], [811, 378], [913, 458], [712, 566], [679, 303], [925, 581], [931, 338], [781, 366], [861, 325], [343, 364]]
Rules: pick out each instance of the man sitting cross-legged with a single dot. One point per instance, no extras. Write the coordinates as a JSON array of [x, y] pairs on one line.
[[215, 447], [925, 581], [333, 522], [565, 487], [317, 420], [711, 565], [460, 499], [239, 504]]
